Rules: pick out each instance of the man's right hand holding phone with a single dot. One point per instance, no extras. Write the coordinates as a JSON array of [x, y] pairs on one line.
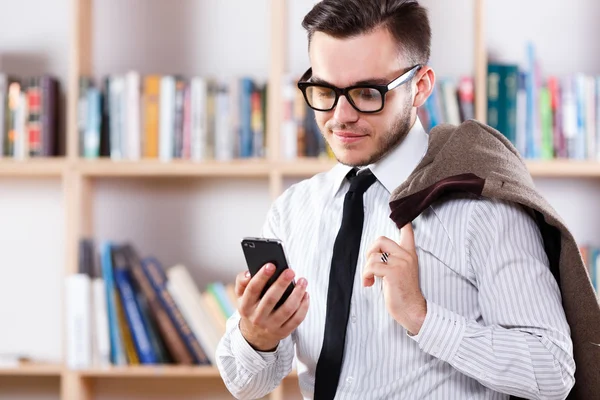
[[261, 325]]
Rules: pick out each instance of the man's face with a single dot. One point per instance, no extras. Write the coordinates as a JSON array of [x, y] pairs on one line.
[[357, 138]]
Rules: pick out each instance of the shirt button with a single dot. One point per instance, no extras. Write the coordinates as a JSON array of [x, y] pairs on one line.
[[349, 380], [353, 318]]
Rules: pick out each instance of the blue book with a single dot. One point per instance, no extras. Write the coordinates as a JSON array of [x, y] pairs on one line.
[[117, 353], [246, 133], [133, 314]]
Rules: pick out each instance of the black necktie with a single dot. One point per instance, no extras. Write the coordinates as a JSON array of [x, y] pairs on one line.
[[341, 281]]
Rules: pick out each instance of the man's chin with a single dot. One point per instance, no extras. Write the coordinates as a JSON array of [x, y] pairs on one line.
[[353, 159]]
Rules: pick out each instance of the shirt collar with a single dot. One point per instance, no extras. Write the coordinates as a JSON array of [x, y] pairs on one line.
[[397, 165]]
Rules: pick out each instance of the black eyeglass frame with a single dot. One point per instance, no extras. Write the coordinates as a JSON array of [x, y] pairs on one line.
[[304, 84]]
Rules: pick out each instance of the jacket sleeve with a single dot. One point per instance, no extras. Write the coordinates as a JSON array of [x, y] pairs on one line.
[[247, 373], [521, 344]]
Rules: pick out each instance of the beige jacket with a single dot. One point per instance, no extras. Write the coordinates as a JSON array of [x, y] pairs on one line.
[[478, 159]]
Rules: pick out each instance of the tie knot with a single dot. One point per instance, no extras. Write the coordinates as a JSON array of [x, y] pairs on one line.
[[360, 182]]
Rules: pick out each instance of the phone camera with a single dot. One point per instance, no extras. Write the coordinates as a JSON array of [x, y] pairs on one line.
[[251, 245]]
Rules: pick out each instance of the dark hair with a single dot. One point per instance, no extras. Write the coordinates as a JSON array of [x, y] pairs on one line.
[[406, 20]]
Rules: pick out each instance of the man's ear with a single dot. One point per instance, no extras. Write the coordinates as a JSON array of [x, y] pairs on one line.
[[425, 82]]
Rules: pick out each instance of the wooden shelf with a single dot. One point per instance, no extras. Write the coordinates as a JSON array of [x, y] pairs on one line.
[[166, 371], [31, 369], [156, 168], [538, 169], [564, 169], [257, 168], [33, 167]]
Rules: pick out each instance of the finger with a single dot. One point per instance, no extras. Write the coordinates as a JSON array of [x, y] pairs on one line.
[[241, 281], [297, 318], [290, 306], [273, 294], [256, 285], [383, 245], [407, 237], [374, 269]]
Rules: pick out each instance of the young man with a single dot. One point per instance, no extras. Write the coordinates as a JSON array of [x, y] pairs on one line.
[[463, 306]]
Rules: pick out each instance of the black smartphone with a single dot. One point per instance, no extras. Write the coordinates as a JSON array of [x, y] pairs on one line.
[[260, 251]]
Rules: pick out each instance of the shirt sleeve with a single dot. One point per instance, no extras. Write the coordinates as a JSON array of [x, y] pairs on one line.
[[247, 373], [521, 345]]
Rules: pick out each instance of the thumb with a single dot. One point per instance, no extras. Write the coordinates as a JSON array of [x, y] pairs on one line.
[[407, 237]]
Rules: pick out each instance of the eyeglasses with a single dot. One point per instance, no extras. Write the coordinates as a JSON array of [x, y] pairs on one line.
[[365, 98]]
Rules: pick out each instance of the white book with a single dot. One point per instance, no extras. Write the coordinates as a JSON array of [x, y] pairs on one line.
[[21, 148], [598, 119], [521, 138], [234, 115], [3, 92], [101, 342], [133, 130], [223, 134], [167, 118], [289, 129], [590, 114], [569, 115], [79, 320], [451, 102], [116, 89], [189, 300], [199, 123]]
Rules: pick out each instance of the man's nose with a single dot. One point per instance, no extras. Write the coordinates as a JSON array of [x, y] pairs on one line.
[[344, 112]]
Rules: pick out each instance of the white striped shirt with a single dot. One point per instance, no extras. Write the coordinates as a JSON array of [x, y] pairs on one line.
[[494, 327]]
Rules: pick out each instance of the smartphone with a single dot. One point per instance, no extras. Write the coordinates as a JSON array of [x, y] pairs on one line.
[[260, 251]]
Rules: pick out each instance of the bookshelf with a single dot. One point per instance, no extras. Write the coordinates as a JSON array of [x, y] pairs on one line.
[[34, 168], [33, 370], [78, 177]]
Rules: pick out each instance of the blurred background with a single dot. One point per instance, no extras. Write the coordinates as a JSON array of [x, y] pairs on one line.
[[141, 134]]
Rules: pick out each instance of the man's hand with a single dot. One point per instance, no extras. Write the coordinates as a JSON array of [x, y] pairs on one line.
[[403, 298], [261, 326]]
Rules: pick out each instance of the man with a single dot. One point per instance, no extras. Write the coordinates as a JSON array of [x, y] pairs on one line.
[[462, 307]]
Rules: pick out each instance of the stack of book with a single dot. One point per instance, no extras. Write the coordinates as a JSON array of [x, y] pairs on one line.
[[545, 118], [29, 116], [166, 117], [127, 310]]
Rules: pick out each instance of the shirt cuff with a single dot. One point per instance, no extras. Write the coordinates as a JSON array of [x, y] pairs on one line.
[[441, 333], [252, 360]]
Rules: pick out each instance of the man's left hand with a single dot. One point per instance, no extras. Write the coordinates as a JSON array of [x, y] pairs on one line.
[[403, 298]]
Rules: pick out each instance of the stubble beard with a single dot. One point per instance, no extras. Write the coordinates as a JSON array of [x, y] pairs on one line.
[[385, 143]]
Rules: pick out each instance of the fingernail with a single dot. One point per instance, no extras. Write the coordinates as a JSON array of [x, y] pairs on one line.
[[289, 274], [247, 274], [302, 282], [270, 268]]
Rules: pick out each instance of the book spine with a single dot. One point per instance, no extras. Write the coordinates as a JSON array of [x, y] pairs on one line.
[[3, 111], [157, 277], [128, 345], [101, 327], [132, 131], [199, 128], [246, 135], [167, 118], [140, 336], [151, 115], [117, 354], [78, 310], [92, 129], [174, 342]]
